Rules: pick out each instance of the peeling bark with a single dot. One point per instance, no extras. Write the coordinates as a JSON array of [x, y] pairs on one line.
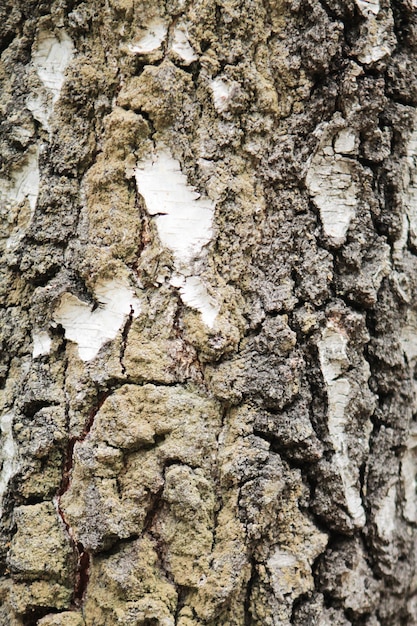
[[208, 313]]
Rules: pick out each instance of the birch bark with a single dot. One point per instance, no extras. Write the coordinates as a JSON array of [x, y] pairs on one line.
[[208, 315]]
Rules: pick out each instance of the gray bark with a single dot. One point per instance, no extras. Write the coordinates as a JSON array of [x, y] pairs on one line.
[[208, 312]]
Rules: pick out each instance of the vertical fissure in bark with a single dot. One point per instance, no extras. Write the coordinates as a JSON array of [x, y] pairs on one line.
[[236, 185], [82, 556]]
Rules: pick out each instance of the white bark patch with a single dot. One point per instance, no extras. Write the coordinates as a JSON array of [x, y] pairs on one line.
[[284, 569], [181, 45], [50, 58], [8, 454], [23, 183], [183, 218], [40, 108], [401, 243], [410, 185], [345, 142], [221, 89], [368, 7], [377, 42], [409, 477], [184, 223], [290, 573], [385, 517], [89, 329], [41, 344], [280, 559], [330, 183], [151, 40], [334, 361], [195, 295], [408, 337]]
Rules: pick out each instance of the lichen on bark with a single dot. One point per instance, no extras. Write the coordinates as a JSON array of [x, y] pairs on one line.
[[208, 313]]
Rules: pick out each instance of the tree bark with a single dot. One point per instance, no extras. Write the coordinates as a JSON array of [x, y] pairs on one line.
[[209, 315]]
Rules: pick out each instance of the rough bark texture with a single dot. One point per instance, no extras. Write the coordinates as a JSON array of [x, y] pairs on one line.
[[209, 317]]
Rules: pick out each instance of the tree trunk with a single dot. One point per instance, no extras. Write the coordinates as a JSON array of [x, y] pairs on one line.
[[209, 313]]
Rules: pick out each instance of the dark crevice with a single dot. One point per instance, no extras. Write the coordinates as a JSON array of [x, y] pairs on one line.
[[287, 451], [329, 11], [82, 575], [125, 334], [318, 409], [31, 407], [32, 617], [153, 511], [68, 464], [6, 41], [249, 588], [81, 555], [182, 595]]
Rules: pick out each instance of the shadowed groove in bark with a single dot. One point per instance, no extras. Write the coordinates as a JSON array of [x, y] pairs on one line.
[[252, 472], [82, 555]]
